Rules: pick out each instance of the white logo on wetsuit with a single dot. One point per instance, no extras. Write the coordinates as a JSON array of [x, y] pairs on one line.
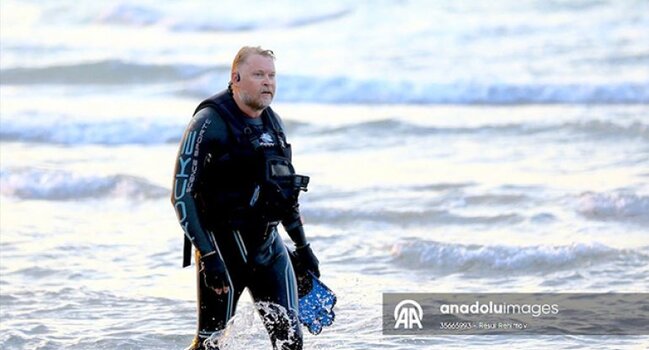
[[266, 140]]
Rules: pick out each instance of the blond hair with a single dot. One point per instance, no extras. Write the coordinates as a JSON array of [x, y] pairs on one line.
[[248, 51]]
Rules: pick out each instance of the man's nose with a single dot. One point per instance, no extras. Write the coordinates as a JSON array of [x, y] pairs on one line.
[[269, 79]]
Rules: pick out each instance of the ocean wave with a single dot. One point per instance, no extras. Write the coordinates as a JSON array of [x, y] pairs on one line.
[[46, 184], [369, 91], [593, 128], [227, 24], [601, 128], [184, 17], [31, 126], [60, 130], [614, 206], [388, 127], [199, 81], [404, 218], [448, 258], [129, 14], [334, 91], [66, 130], [104, 72]]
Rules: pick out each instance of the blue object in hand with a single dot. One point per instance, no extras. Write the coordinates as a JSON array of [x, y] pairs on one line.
[[315, 300], [316, 303]]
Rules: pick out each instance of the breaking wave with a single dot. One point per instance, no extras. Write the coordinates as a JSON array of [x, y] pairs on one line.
[[201, 81], [421, 91], [178, 17], [116, 132], [458, 258], [344, 90], [614, 206], [106, 72], [45, 184]]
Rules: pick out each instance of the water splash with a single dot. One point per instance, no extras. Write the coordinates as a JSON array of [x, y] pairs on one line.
[[242, 332]]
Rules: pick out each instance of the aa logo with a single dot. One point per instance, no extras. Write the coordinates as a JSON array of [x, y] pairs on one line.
[[407, 314]]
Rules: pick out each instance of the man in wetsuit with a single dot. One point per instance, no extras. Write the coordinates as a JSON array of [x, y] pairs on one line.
[[234, 183]]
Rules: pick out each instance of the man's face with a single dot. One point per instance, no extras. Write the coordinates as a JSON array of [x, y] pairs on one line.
[[257, 85]]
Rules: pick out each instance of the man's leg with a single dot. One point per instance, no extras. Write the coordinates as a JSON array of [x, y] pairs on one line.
[[274, 289], [214, 310]]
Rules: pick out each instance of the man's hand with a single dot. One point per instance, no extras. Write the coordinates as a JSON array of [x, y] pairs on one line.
[[214, 273], [307, 259]]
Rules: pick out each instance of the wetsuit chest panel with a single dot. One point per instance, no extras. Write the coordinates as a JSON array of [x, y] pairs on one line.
[[253, 180]]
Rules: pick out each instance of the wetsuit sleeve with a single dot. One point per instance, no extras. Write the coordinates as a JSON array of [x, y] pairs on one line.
[[295, 229], [205, 134]]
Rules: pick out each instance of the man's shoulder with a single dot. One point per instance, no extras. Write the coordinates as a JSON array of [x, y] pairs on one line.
[[207, 112], [210, 123], [216, 101]]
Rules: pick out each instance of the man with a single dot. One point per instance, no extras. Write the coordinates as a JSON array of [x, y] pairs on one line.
[[234, 183]]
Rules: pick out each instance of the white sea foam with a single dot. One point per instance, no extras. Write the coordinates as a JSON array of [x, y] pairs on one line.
[[614, 206], [359, 91], [61, 130], [439, 257], [245, 328], [32, 183]]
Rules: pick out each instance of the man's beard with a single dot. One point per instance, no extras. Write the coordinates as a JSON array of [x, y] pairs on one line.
[[256, 104]]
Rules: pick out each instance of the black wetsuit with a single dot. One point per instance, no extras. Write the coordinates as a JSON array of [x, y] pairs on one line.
[[216, 183]]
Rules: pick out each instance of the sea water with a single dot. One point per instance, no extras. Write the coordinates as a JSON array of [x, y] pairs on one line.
[[458, 146]]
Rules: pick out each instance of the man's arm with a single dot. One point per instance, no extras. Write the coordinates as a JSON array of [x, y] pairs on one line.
[[194, 148], [202, 138]]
